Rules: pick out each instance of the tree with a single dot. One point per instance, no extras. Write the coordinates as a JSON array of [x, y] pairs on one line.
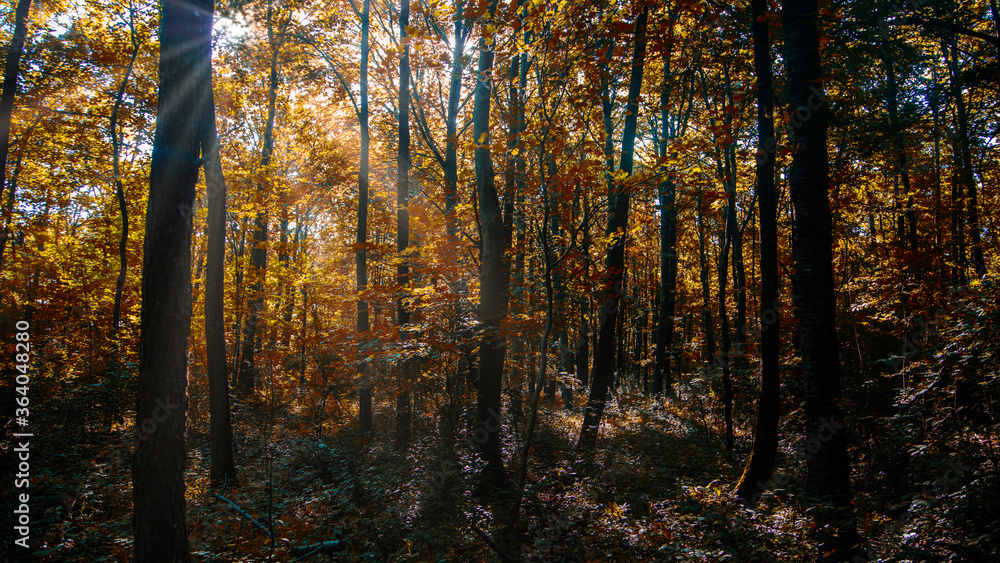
[[12, 68], [828, 480], [403, 224], [604, 355], [223, 469], [158, 465], [759, 466], [361, 254], [492, 349], [247, 379], [116, 168]]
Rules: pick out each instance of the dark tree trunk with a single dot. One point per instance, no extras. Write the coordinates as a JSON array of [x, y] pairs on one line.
[[120, 188], [957, 188], [492, 350], [662, 369], [907, 216], [966, 178], [604, 357], [735, 239], [247, 378], [828, 480], [726, 343], [706, 291], [759, 466], [158, 519], [12, 68], [223, 469], [361, 255], [403, 407]]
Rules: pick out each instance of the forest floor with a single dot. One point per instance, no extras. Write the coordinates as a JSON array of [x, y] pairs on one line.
[[659, 488]]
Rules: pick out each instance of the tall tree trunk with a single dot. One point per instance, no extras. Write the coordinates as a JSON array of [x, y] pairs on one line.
[[736, 238], [492, 349], [8, 207], [119, 187], [662, 369], [403, 407], [223, 469], [706, 291], [828, 479], [759, 466], [361, 255], [957, 186], [966, 178], [158, 465], [604, 357], [258, 254], [902, 165], [12, 68], [726, 343]]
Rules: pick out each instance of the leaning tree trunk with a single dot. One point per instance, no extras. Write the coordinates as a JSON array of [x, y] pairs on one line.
[[158, 516], [403, 407], [765, 441], [12, 68], [247, 378], [492, 350], [828, 480], [120, 188], [604, 355]]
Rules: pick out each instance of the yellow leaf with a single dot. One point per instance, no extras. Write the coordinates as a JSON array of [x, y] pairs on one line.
[[482, 139]]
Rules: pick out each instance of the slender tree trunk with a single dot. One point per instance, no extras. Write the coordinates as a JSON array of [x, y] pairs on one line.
[[12, 68], [403, 407], [726, 352], [662, 369], [736, 238], [966, 177], [158, 465], [119, 187], [8, 208], [492, 350], [706, 291], [361, 255], [759, 466], [258, 254], [901, 160], [828, 479], [604, 358], [223, 469], [957, 186]]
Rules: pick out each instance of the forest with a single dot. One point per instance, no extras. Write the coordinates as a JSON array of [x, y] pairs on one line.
[[500, 280]]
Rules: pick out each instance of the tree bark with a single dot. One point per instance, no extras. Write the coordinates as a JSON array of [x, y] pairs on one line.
[[403, 407], [828, 479], [119, 187], [158, 517], [492, 349], [361, 255], [11, 72], [759, 466], [966, 177], [604, 356], [223, 468]]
